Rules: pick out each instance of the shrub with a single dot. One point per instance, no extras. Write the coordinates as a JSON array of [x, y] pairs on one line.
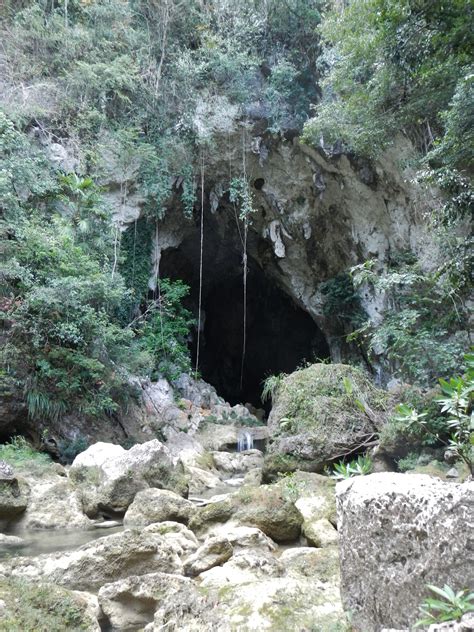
[[448, 606]]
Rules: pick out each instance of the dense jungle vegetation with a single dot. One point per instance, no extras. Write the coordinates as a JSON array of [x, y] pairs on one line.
[[124, 85]]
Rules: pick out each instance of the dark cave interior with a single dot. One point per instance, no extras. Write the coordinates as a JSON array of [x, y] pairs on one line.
[[280, 335]]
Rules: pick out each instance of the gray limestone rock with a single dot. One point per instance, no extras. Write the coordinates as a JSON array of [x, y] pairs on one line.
[[399, 532]]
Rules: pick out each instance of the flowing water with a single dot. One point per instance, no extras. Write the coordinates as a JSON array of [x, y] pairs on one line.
[[39, 542], [245, 441]]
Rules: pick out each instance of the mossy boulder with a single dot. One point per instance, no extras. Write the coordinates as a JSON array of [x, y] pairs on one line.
[[269, 509], [320, 412]]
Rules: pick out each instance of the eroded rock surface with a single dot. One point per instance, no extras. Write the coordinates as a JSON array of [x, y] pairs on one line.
[[399, 532], [108, 477]]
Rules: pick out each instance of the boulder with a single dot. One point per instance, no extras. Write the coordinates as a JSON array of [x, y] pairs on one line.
[[158, 505], [398, 533], [214, 552], [200, 480], [268, 509], [266, 602], [265, 507], [113, 557], [14, 493], [43, 606], [131, 603], [237, 462], [54, 504], [320, 564], [320, 412], [243, 567], [215, 512], [108, 477], [244, 537]]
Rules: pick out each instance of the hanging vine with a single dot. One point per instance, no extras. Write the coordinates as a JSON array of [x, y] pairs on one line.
[[201, 250], [240, 195]]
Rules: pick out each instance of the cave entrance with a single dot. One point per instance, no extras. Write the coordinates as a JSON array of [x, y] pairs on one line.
[[280, 335]]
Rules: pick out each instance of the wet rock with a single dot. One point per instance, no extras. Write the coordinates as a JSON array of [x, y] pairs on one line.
[[244, 537], [158, 505], [215, 512], [253, 477], [245, 566], [201, 480], [214, 551], [10, 541], [267, 508], [108, 477], [399, 532]]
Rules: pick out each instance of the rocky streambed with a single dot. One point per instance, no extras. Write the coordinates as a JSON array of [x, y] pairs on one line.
[[249, 557], [187, 533]]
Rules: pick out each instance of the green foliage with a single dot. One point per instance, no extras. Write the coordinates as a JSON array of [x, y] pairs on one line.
[[409, 462], [358, 467], [68, 450], [69, 343], [270, 386], [18, 452], [420, 333], [447, 606], [40, 607], [455, 427], [341, 300], [164, 333], [394, 65], [241, 194]]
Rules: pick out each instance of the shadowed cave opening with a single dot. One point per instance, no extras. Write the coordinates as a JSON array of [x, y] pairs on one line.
[[280, 335]]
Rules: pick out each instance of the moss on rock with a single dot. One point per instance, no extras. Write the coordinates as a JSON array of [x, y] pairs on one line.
[[320, 412]]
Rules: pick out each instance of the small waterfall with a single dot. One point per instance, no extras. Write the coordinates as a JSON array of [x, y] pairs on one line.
[[245, 441]]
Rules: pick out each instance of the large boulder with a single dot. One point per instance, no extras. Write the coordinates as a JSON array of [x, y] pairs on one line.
[[131, 603], [113, 557], [14, 493], [158, 505], [270, 510], [398, 533], [109, 477], [320, 412], [54, 504], [266, 507]]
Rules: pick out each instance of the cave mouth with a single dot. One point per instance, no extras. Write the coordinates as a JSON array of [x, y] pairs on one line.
[[280, 336]]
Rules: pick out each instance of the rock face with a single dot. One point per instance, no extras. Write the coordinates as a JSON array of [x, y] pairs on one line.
[[319, 413], [158, 505], [109, 477], [399, 532]]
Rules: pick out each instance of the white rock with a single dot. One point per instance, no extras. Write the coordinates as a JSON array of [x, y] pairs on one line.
[[399, 532]]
